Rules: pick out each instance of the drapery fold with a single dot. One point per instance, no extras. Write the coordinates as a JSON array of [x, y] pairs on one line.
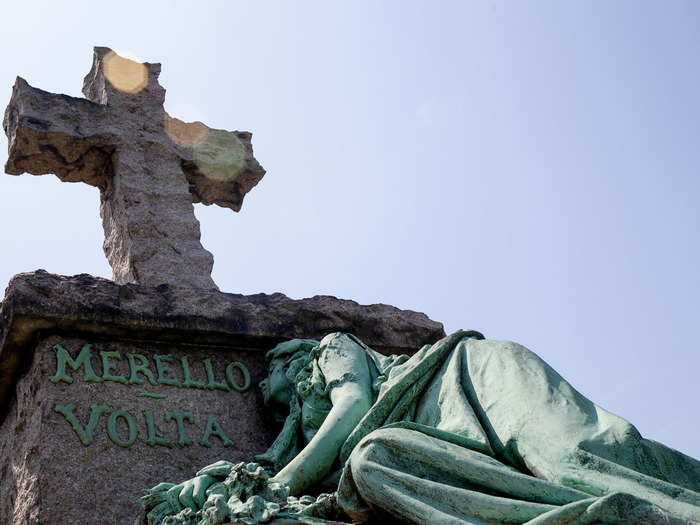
[[524, 421]]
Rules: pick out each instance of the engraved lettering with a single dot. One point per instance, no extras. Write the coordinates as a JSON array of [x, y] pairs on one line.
[[163, 370], [180, 417], [188, 382], [143, 367], [212, 384], [153, 438], [214, 429], [84, 358], [85, 434], [112, 428], [231, 380], [108, 366]]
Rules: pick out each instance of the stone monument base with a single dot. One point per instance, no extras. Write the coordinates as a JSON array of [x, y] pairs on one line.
[[106, 390]]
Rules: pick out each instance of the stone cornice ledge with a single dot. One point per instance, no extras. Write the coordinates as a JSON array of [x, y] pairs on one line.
[[40, 303]]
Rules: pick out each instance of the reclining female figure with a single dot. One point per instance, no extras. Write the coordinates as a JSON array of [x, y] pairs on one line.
[[467, 430]]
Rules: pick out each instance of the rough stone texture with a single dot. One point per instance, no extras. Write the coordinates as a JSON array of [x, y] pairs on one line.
[[149, 167], [47, 475], [39, 303]]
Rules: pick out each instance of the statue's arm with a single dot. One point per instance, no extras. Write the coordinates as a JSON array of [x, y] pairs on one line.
[[344, 364], [314, 462]]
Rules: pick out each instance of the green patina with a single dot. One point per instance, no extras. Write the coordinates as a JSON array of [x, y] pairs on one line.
[[151, 395], [153, 435], [153, 438], [121, 426], [231, 379], [214, 429], [180, 417], [139, 367], [112, 428], [212, 383], [163, 370], [188, 382], [86, 434], [465, 431], [84, 359], [108, 366]]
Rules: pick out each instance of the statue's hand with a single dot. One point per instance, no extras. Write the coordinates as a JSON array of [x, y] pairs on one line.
[[220, 469], [167, 498], [161, 487], [188, 494], [283, 478], [156, 496], [191, 493]]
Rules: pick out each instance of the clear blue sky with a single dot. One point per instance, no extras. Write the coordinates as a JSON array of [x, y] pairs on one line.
[[530, 170]]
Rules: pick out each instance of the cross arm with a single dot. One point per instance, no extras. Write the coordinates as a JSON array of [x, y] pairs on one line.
[[51, 133], [219, 165]]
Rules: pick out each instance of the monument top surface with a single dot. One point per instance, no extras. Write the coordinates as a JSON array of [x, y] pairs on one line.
[[40, 303], [149, 167]]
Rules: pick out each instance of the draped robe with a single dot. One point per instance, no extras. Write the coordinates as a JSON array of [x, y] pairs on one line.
[[476, 431]]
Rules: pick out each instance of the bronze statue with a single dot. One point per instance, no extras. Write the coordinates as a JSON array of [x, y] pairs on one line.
[[467, 430]]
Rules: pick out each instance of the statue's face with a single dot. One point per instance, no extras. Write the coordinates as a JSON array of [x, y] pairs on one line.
[[276, 389]]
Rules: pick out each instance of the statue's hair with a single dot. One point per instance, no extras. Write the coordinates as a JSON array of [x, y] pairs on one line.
[[297, 356], [289, 349]]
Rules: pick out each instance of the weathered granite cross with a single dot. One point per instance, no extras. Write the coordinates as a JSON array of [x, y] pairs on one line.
[[149, 167]]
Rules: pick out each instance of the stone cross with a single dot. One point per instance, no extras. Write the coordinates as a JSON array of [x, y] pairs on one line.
[[149, 167]]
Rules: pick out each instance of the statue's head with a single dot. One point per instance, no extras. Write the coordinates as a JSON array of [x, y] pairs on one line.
[[286, 360]]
